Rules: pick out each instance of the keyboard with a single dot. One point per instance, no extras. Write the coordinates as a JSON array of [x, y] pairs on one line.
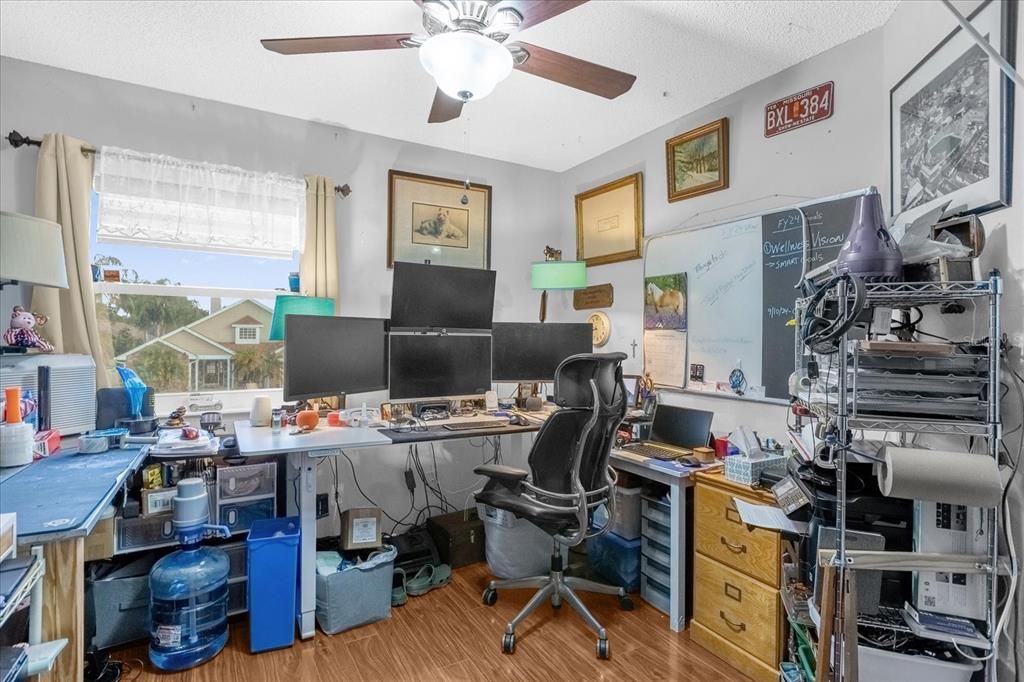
[[658, 452], [477, 425]]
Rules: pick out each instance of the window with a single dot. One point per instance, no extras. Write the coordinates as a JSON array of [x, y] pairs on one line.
[[247, 334], [188, 259]]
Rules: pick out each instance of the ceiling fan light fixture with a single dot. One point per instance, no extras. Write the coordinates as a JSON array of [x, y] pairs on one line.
[[466, 65]]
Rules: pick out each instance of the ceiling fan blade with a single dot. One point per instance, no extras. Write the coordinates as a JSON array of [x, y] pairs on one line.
[[576, 73], [444, 108], [385, 41], [536, 11]]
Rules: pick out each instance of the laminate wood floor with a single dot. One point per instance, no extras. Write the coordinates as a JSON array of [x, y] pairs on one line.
[[450, 635]]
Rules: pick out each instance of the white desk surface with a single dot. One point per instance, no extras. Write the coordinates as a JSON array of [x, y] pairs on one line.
[[258, 440], [653, 468]]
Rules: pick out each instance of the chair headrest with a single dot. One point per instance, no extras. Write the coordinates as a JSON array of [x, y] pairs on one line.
[[572, 378]]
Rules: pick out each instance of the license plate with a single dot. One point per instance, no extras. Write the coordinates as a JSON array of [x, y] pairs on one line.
[[796, 111]]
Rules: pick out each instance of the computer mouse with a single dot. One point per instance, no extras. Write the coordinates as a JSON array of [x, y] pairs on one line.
[[518, 420]]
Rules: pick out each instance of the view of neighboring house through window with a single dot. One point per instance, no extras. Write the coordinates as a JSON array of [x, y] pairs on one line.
[[188, 319]]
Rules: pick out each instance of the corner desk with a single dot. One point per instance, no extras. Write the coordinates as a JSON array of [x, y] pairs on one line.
[[305, 450]]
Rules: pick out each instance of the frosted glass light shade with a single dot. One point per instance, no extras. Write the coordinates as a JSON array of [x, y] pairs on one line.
[[465, 65], [32, 251], [559, 274]]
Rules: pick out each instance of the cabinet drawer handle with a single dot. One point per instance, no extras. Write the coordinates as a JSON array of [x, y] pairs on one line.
[[735, 627], [733, 592], [735, 549], [733, 515]]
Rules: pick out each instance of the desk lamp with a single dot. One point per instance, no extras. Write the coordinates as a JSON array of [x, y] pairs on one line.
[[555, 273], [297, 305]]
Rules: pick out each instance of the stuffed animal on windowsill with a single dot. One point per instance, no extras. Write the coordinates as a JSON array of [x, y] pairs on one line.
[[22, 332]]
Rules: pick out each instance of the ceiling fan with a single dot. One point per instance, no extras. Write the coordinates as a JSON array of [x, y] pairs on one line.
[[465, 50]]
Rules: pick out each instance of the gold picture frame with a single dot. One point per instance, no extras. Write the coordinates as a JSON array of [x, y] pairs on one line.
[[610, 221], [440, 220], [697, 162]]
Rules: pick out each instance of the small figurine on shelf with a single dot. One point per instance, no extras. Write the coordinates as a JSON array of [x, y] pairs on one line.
[[22, 331]]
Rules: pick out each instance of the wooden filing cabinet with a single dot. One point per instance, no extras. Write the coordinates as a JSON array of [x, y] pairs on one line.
[[738, 614]]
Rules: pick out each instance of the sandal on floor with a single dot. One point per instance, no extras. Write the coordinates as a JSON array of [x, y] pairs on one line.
[[428, 578], [399, 595]]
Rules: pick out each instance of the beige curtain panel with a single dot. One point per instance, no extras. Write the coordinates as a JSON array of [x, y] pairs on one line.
[[63, 191], [318, 264]]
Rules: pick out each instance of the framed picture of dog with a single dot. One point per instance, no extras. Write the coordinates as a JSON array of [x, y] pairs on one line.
[[438, 220]]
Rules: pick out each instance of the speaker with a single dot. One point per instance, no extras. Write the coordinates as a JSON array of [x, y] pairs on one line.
[[112, 404]]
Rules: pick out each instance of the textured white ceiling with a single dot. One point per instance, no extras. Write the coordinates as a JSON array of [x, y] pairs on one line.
[[685, 54]]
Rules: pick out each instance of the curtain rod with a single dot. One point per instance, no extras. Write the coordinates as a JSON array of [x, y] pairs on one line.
[[17, 140]]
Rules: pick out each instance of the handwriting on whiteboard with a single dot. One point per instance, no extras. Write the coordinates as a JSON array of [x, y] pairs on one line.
[[716, 294]]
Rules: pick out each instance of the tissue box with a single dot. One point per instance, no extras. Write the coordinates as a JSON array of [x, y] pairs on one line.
[[741, 469]]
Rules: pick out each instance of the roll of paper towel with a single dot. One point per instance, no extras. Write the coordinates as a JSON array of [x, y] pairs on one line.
[[936, 476]]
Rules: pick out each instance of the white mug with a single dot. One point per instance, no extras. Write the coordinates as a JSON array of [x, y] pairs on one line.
[[259, 415]]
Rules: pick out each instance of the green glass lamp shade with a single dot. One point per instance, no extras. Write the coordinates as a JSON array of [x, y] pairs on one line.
[[297, 305], [559, 274]]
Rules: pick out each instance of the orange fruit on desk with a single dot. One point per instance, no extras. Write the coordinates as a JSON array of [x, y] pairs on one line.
[[307, 420]]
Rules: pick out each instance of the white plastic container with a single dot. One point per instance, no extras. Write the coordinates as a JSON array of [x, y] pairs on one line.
[[878, 665], [515, 548], [626, 523], [16, 442]]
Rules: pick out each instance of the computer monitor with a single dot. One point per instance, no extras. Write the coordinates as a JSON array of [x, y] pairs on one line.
[[435, 366], [441, 297], [681, 426], [328, 356], [530, 352]]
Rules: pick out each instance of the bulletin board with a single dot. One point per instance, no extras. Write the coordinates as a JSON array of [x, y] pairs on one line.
[[739, 295]]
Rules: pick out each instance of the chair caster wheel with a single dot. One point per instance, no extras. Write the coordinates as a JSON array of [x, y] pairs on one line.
[[508, 643], [556, 606], [626, 604], [603, 650], [490, 596]]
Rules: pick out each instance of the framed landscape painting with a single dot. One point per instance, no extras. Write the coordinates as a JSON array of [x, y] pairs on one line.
[[698, 161], [439, 220], [951, 121]]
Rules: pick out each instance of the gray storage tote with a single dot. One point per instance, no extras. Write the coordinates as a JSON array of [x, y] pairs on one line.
[[357, 595]]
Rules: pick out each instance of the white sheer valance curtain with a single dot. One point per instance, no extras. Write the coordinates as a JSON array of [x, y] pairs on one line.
[[158, 200]]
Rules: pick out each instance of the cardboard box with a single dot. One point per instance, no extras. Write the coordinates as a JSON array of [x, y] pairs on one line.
[[157, 501], [360, 528]]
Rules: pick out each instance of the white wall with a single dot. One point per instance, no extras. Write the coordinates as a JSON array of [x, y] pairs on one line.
[[819, 160], [36, 99]]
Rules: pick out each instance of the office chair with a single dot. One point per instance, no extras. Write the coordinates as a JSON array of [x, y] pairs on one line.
[[569, 478]]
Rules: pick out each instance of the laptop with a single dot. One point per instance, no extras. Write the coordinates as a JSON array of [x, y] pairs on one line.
[[674, 432]]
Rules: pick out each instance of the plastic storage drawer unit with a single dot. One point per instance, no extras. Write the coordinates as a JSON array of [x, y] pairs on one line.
[[240, 516], [248, 480], [273, 557]]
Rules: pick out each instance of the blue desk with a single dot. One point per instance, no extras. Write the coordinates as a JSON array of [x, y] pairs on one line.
[[58, 501]]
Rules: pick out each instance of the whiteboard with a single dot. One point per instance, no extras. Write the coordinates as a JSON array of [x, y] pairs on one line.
[[740, 295], [723, 269]]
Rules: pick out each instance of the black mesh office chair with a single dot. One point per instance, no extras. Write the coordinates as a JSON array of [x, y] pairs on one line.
[[569, 478]]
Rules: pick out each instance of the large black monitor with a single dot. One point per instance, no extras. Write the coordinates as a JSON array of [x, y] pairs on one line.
[[441, 297], [681, 426], [328, 356], [530, 352], [433, 366]]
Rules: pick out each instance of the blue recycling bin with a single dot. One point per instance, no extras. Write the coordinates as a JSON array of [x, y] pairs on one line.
[[273, 558]]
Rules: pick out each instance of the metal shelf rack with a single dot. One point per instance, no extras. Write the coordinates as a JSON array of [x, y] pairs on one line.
[[904, 295]]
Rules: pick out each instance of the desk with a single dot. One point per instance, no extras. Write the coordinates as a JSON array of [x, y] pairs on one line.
[[304, 450], [678, 479], [58, 501]]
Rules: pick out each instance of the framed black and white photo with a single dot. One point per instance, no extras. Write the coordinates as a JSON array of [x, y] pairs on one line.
[[951, 121]]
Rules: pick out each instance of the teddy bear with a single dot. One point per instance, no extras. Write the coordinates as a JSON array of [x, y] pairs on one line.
[[22, 332]]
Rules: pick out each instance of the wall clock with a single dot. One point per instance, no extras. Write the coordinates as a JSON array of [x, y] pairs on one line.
[[602, 327]]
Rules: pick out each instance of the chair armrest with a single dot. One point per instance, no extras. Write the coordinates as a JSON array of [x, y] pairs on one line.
[[501, 472]]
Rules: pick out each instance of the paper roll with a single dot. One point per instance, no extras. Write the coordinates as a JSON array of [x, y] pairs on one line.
[[259, 415], [936, 476]]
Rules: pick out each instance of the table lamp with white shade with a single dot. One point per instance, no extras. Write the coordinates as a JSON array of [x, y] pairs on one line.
[[555, 273], [31, 251]]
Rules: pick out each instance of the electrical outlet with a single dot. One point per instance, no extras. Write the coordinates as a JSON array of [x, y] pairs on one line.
[[322, 508]]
